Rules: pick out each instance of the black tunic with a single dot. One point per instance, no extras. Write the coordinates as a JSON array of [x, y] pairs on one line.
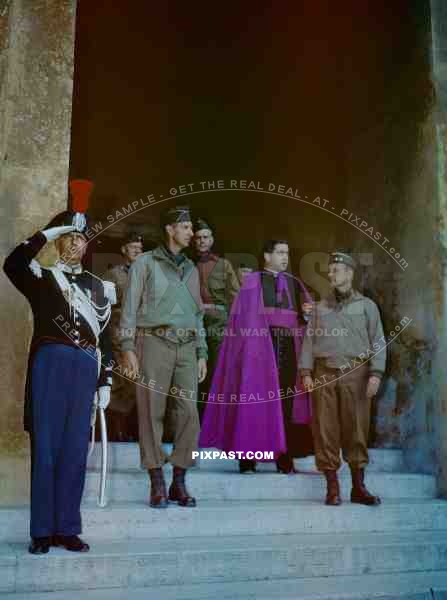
[[53, 320], [298, 437]]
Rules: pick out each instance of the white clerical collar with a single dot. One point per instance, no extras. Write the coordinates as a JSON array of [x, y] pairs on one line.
[[274, 273], [70, 269]]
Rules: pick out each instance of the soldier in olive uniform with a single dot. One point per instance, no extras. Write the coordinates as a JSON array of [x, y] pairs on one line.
[[344, 373], [121, 415], [164, 345], [218, 287]]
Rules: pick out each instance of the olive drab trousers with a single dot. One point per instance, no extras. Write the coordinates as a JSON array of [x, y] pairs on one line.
[[168, 371], [341, 416]]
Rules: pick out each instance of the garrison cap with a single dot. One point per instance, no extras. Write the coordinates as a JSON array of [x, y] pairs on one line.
[[344, 257], [178, 214]]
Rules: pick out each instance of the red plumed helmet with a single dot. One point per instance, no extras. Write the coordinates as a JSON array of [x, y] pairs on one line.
[[80, 190]]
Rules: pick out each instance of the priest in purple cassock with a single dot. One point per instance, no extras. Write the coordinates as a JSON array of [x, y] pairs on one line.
[[256, 401]]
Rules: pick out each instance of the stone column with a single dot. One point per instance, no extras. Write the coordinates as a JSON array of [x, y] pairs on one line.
[[395, 193], [439, 58], [36, 84]]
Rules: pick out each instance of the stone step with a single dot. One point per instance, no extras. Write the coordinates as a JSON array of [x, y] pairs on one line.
[[208, 485], [142, 563], [406, 586], [126, 457], [214, 518]]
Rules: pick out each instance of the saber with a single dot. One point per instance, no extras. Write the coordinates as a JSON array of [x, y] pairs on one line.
[[102, 502], [92, 435]]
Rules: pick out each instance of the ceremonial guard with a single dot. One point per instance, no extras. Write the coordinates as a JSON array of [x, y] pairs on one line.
[[69, 362], [218, 287], [256, 400], [121, 414], [164, 346], [343, 361]]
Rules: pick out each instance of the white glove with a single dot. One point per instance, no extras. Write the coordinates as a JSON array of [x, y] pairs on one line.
[[55, 232], [104, 396]]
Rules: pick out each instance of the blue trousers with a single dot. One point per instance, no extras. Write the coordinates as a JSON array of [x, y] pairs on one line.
[[63, 383]]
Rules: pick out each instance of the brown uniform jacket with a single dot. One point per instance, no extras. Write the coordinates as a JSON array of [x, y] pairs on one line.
[[119, 276]]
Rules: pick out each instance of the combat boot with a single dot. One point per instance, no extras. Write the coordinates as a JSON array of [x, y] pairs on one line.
[[177, 490], [158, 496], [333, 488], [359, 492]]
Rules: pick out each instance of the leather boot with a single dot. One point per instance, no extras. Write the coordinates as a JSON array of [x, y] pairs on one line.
[[333, 489], [158, 497], [177, 490], [359, 492]]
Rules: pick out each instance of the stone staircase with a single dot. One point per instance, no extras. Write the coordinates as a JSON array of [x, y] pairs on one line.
[[251, 537]]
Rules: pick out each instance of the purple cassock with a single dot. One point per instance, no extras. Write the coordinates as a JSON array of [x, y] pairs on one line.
[[244, 409]]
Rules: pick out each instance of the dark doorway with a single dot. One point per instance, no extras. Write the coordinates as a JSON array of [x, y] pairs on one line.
[[326, 98]]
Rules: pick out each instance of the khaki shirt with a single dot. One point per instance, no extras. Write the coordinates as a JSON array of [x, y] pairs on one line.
[[342, 331], [219, 284], [119, 276], [162, 295]]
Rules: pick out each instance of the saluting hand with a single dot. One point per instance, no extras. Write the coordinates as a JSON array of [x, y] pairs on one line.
[[53, 233]]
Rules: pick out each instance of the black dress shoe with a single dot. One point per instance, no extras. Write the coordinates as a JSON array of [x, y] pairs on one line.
[[247, 466], [285, 465], [71, 542], [39, 545]]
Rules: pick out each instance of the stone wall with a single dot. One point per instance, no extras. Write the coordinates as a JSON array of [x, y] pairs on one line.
[[391, 184], [439, 59]]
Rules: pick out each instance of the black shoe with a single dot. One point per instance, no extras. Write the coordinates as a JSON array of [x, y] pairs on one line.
[[71, 542], [247, 466], [39, 545], [284, 464]]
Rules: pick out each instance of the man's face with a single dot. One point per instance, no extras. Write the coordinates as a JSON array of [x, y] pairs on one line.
[[203, 240], [72, 247], [340, 275], [278, 260], [132, 250], [181, 233]]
